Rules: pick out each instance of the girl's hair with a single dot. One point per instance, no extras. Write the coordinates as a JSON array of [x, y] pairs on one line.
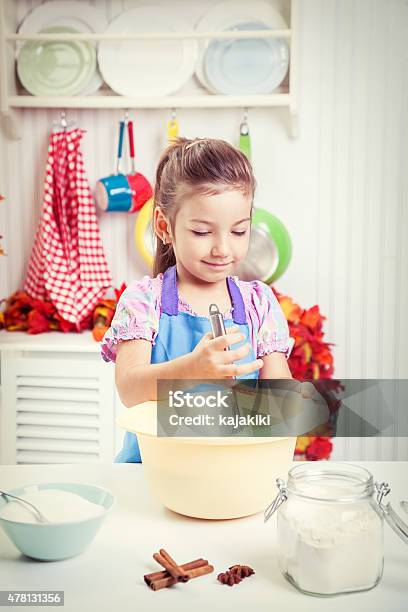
[[204, 165]]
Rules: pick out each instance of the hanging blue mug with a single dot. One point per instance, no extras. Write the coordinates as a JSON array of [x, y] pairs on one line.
[[113, 193]]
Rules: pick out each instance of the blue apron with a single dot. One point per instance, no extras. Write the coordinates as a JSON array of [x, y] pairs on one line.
[[179, 333]]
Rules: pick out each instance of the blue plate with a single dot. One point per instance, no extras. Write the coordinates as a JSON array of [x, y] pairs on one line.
[[246, 66]]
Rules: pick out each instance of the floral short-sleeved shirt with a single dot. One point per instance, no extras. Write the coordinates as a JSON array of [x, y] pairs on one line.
[[139, 308]]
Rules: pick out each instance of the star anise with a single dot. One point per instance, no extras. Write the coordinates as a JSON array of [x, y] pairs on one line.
[[243, 571], [229, 578]]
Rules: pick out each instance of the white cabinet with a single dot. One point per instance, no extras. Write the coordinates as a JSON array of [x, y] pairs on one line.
[[58, 400]]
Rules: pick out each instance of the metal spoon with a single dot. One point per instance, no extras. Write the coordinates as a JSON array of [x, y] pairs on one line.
[[38, 515]]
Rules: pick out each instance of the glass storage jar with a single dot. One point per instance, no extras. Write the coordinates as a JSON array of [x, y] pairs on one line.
[[330, 528]]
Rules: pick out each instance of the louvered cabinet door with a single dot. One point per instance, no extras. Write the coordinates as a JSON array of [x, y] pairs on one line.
[[56, 410]]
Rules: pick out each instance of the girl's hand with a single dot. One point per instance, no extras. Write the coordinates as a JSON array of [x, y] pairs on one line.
[[211, 360], [309, 391], [304, 408], [306, 389]]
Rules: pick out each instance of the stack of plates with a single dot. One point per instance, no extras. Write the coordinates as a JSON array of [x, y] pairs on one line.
[[151, 67], [242, 66], [130, 68], [57, 68]]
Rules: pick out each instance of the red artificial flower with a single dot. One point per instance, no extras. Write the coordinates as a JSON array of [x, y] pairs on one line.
[[23, 313], [37, 322], [291, 310], [312, 318], [118, 292], [302, 443], [63, 325], [311, 359], [46, 308], [320, 448]]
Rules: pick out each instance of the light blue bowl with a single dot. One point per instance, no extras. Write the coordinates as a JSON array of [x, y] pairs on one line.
[[56, 541]]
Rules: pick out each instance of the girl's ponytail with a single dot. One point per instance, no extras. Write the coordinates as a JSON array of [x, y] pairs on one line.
[[164, 257]]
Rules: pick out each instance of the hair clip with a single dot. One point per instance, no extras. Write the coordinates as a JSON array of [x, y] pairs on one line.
[[194, 142]]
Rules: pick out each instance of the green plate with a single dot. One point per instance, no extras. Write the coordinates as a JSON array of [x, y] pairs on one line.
[[265, 222], [56, 68], [270, 249]]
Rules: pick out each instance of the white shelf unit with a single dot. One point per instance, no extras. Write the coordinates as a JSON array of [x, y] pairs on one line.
[[11, 99], [58, 400]]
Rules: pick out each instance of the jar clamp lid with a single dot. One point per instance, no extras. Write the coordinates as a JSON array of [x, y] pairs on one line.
[[281, 497], [388, 513]]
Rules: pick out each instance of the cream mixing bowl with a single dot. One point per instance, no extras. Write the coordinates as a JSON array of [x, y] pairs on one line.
[[208, 478]]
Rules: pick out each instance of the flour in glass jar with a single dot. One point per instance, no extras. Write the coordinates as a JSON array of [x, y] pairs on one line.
[[328, 548]]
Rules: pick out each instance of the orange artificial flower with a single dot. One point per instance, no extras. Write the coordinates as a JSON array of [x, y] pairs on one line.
[[302, 443], [291, 310], [312, 318]]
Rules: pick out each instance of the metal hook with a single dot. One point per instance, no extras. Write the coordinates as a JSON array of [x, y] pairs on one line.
[[63, 121], [173, 114], [244, 127], [126, 116]]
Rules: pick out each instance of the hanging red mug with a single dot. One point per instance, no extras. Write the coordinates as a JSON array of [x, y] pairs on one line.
[[141, 189], [119, 192]]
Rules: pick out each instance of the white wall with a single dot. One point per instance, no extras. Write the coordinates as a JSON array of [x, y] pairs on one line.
[[341, 188]]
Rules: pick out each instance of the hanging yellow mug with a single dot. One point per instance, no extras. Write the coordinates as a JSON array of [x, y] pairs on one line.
[[144, 234]]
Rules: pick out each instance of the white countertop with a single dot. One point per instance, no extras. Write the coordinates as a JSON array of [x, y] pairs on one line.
[[109, 575]]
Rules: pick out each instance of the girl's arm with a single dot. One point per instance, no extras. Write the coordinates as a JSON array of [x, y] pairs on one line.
[[275, 366], [136, 378], [273, 332]]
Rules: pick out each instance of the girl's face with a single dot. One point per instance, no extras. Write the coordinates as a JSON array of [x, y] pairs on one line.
[[211, 234]]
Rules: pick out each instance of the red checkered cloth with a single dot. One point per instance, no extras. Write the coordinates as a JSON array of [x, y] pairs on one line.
[[68, 264]]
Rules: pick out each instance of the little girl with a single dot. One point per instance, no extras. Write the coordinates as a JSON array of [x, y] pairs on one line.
[[202, 218]]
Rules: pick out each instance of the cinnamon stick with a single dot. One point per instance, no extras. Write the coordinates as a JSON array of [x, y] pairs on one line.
[[148, 578], [162, 583], [174, 570], [167, 557]]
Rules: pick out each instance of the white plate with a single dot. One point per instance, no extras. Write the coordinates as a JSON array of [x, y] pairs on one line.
[[249, 66], [144, 67], [231, 14], [79, 16]]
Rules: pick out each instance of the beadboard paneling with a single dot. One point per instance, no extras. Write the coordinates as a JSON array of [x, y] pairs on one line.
[[341, 188]]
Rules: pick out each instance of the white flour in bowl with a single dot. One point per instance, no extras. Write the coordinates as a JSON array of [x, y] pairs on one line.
[[56, 505]]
